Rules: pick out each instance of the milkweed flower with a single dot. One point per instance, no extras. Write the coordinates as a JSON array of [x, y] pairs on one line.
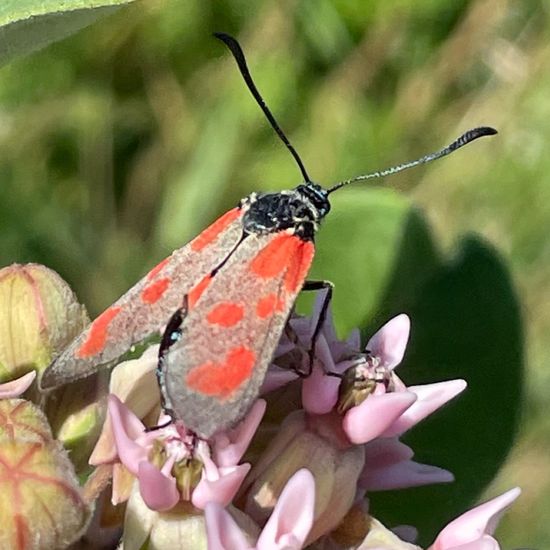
[[171, 464], [473, 530], [354, 408], [14, 388], [297, 477], [287, 526], [337, 427]]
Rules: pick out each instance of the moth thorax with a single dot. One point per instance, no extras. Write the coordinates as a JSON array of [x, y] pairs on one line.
[[273, 212]]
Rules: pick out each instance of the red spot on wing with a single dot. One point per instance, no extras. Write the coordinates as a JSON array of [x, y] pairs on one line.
[[95, 342], [212, 231], [157, 269], [153, 291], [268, 305], [298, 266], [274, 257], [225, 314], [222, 379], [196, 292]]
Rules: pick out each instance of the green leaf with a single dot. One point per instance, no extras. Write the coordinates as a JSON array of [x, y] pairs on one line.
[[28, 25], [369, 236], [465, 324]]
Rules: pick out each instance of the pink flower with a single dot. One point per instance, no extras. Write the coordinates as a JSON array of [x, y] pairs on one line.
[[187, 470], [14, 388], [353, 401], [388, 465], [473, 530], [287, 527], [388, 408]]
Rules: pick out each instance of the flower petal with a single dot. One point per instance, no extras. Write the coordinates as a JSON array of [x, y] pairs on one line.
[[430, 398], [474, 524], [354, 339], [123, 482], [14, 388], [383, 452], [222, 532], [221, 489], [157, 490], [403, 475], [390, 341], [276, 378], [486, 542], [126, 427], [319, 391], [134, 383], [230, 446], [375, 415], [292, 517]]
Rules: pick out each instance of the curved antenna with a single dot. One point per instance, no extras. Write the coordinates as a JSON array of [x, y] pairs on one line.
[[464, 139], [238, 54]]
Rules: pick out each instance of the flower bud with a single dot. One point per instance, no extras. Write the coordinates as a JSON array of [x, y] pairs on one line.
[[361, 531], [315, 444], [76, 413], [21, 420], [182, 527], [40, 504], [39, 316]]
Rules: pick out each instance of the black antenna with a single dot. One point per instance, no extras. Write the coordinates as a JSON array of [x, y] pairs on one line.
[[238, 54], [464, 139]]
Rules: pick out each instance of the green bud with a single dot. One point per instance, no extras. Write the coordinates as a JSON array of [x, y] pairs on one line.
[[39, 316], [20, 419], [41, 505]]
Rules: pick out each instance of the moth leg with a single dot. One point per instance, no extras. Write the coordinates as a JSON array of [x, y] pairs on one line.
[[318, 285], [171, 335], [158, 426]]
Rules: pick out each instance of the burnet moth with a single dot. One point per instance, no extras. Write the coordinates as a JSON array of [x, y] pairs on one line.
[[223, 299]]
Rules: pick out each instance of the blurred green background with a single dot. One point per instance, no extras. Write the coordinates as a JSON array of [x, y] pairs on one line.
[[123, 141]]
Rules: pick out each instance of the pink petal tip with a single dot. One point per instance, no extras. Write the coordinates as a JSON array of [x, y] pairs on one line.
[[14, 388], [158, 491], [390, 342], [477, 525], [375, 415]]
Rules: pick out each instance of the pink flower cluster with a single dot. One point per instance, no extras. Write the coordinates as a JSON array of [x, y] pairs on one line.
[[353, 399], [221, 473]]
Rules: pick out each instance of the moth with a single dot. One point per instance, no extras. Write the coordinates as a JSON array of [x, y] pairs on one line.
[[222, 301]]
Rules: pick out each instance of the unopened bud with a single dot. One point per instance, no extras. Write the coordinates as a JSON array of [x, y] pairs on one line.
[[41, 504], [39, 316], [181, 527], [316, 445], [379, 536], [20, 419], [76, 413]]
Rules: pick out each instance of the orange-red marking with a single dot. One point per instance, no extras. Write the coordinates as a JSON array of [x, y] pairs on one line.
[[155, 271], [226, 314], [274, 258], [153, 291], [298, 266], [222, 379], [268, 305], [212, 231], [98, 333], [197, 290]]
